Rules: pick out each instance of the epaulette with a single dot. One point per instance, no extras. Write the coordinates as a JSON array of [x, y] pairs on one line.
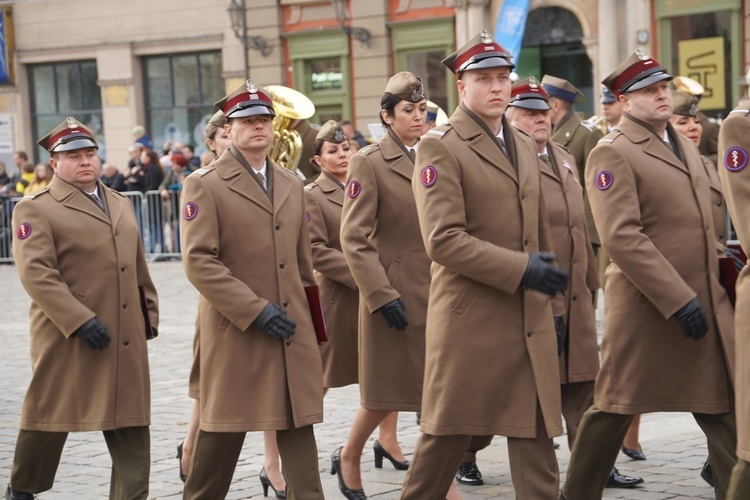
[[740, 111], [370, 148], [589, 125], [204, 170], [34, 195], [311, 185], [434, 131]]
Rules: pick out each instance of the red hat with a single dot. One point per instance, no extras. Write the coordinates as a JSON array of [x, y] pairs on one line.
[[636, 72], [529, 94], [67, 136], [480, 52], [246, 100]]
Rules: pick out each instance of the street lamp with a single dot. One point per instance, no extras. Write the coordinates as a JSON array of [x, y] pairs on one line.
[[237, 13], [361, 34]]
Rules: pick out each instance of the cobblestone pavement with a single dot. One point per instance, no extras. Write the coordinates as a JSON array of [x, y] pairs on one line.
[[673, 443]]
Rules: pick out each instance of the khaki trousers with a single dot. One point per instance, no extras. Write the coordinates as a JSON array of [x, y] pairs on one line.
[[38, 455], [599, 439], [533, 465], [215, 457], [739, 484], [576, 399]]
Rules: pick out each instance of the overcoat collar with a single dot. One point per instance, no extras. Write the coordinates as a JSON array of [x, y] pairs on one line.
[[394, 153], [554, 169], [72, 197], [480, 141], [331, 187], [639, 132]]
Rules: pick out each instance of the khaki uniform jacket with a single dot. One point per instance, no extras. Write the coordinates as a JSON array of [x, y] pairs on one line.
[[654, 217], [734, 148], [242, 251], [76, 264], [709, 138], [384, 250], [325, 199], [563, 196], [718, 206], [579, 137], [480, 219]]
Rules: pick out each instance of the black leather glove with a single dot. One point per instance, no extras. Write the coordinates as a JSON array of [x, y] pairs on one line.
[[692, 320], [394, 313], [733, 254], [274, 321], [560, 332], [94, 334], [541, 275]]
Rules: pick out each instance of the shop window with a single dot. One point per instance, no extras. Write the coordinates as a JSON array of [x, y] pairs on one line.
[[59, 90], [180, 93]]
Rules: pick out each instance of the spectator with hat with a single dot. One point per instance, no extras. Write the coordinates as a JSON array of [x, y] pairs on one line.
[[485, 306], [79, 256], [666, 311], [246, 249]]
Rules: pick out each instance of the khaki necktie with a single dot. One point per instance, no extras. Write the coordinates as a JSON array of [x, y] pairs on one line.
[[412, 154], [261, 180], [96, 200], [545, 158]]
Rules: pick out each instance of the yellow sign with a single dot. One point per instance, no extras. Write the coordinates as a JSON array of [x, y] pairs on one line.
[[702, 60]]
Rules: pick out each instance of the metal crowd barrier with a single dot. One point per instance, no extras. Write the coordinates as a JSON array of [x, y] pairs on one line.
[[157, 218]]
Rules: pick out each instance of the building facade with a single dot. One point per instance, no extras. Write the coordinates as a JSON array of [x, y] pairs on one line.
[[162, 64]]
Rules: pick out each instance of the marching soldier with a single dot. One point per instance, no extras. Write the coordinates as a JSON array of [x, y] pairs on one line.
[[79, 256], [485, 268], [666, 310]]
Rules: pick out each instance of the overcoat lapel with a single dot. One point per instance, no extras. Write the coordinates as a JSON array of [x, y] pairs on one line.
[[652, 145], [239, 180], [72, 197], [282, 186], [332, 189], [396, 156]]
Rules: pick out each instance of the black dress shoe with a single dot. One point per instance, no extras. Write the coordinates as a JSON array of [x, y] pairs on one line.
[[345, 490], [707, 473], [266, 483], [617, 480], [634, 454], [380, 453], [11, 494], [469, 474], [183, 477]]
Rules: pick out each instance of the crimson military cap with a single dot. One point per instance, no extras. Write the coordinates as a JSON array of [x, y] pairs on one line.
[[248, 99], [529, 94], [480, 52], [67, 136], [637, 72]]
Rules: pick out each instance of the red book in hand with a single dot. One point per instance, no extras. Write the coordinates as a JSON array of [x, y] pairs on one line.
[[316, 311]]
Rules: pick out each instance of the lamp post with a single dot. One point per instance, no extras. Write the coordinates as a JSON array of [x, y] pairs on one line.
[[361, 34], [237, 17]]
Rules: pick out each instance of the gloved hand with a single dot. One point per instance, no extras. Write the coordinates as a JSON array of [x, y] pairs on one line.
[[274, 321], [394, 313], [94, 334], [692, 320], [541, 275], [560, 332], [733, 254]]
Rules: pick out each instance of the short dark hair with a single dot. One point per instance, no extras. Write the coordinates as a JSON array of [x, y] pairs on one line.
[[388, 103]]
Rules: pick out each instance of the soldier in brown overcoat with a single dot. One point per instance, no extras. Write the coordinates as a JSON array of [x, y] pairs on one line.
[[246, 249], [381, 242], [734, 153], [325, 199], [482, 216], [666, 311], [80, 258]]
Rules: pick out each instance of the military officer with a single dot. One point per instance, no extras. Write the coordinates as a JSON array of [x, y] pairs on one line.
[[666, 310], [611, 111], [578, 350], [325, 199], [246, 249], [734, 151], [492, 282], [80, 259]]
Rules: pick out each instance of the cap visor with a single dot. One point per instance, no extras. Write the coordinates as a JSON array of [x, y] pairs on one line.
[[537, 104], [251, 111], [75, 144], [649, 80], [489, 62]]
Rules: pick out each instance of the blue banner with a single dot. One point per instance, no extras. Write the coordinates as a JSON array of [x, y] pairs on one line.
[[510, 26]]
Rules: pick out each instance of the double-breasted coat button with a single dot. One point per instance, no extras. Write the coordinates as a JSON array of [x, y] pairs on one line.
[[718, 203], [125, 342], [285, 303], [529, 333], [525, 242], [277, 226], [574, 297], [124, 306], [122, 268], [282, 264]]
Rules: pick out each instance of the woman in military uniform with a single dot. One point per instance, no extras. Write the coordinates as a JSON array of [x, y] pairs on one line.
[[383, 248]]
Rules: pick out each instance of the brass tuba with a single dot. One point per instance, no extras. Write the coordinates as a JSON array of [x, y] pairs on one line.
[[289, 105], [600, 123]]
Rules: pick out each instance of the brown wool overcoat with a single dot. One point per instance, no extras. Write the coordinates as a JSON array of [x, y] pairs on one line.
[[491, 349], [734, 148], [76, 263], [325, 198], [241, 251], [563, 196], [654, 217], [718, 205], [384, 250]]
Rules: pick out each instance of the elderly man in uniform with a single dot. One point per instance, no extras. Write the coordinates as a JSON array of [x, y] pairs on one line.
[[563, 194], [80, 258], [246, 249], [734, 152], [492, 283], [667, 312]]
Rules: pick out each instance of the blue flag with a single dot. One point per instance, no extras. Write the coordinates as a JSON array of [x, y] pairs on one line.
[[511, 25]]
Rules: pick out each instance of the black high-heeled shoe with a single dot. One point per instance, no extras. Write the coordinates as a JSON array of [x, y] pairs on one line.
[[183, 477], [380, 452], [265, 482], [336, 467]]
